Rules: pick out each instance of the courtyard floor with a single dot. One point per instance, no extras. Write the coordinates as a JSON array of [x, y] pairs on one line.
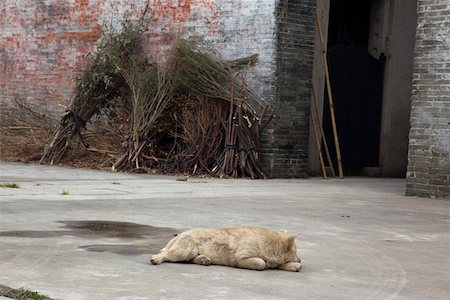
[[85, 234]]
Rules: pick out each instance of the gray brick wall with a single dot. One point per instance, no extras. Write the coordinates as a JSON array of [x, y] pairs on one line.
[[429, 137], [285, 144]]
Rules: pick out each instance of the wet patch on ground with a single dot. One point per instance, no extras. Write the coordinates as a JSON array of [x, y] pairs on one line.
[[128, 249], [111, 229], [155, 237], [95, 229]]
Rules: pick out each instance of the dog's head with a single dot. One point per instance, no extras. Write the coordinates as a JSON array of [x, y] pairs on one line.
[[290, 254]]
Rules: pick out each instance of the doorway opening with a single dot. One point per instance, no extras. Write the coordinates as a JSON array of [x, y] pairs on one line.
[[357, 87]]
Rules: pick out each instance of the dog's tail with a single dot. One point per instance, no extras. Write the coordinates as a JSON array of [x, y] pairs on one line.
[[170, 243]]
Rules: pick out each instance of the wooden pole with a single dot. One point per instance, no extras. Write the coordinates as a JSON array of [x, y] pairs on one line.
[[316, 111], [319, 147], [330, 99]]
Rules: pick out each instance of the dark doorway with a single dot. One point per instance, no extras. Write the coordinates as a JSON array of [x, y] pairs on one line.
[[357, 84]]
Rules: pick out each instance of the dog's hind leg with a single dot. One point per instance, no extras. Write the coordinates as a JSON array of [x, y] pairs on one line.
[[201, 260], [169, 244], [252, 263]]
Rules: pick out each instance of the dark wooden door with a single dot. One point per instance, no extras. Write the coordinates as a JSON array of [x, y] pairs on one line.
[[357, 87]]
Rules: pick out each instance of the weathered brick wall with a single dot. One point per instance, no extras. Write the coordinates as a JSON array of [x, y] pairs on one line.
[[43, 42], [429, 138], [285, 149], [40, 44]]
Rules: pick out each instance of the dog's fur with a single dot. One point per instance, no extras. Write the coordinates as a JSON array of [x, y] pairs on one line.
[[242, 247]]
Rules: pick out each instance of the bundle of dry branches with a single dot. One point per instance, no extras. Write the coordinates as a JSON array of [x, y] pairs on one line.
[[23, 131], [241, 158], [99, 87], [201, 70], [195, 114], [222, 135], [201, 136], [152, 91]]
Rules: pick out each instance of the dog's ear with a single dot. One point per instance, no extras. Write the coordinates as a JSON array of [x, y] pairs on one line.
[[296, 235], [290, 241]]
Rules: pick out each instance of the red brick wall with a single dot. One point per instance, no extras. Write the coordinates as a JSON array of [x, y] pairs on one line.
[[41, 45], [42, 42]]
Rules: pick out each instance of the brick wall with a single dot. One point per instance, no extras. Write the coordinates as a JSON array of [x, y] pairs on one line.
[[429, 138], [43, 42], [40, 45], [285, 144]]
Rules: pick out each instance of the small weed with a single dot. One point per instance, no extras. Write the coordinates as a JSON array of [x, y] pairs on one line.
[[283, 12], [10, 185], [182, 178], [21, 294], [65, 192]]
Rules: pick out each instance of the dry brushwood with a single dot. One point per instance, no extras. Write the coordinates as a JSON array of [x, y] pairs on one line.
[[213, 141], [222, 136], [242, 63], [23, 131], [201, 136], [151, 93], [240, 157], [201, 70], [195, 114], [100, 85]]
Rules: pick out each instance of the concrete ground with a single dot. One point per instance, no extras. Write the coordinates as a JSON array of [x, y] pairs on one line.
[[362, 239]]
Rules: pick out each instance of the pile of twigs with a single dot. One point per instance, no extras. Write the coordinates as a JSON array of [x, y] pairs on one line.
[[223, 133], [194, 115], [241, 157], [201, 70], [152, 91], [23, 130], [100, 86], [217, 138], [199, 136]]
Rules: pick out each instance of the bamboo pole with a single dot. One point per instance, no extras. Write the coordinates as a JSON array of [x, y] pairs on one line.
[[319, 147], [330, 99], [322, 133]]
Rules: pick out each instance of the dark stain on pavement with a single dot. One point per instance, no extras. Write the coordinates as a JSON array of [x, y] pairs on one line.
[[112, 229], [126, 249], [155, 237]]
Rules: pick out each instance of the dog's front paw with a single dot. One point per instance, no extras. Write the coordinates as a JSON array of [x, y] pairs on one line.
[[205, 261], [291, 266], [296, 267], [154, 260]]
